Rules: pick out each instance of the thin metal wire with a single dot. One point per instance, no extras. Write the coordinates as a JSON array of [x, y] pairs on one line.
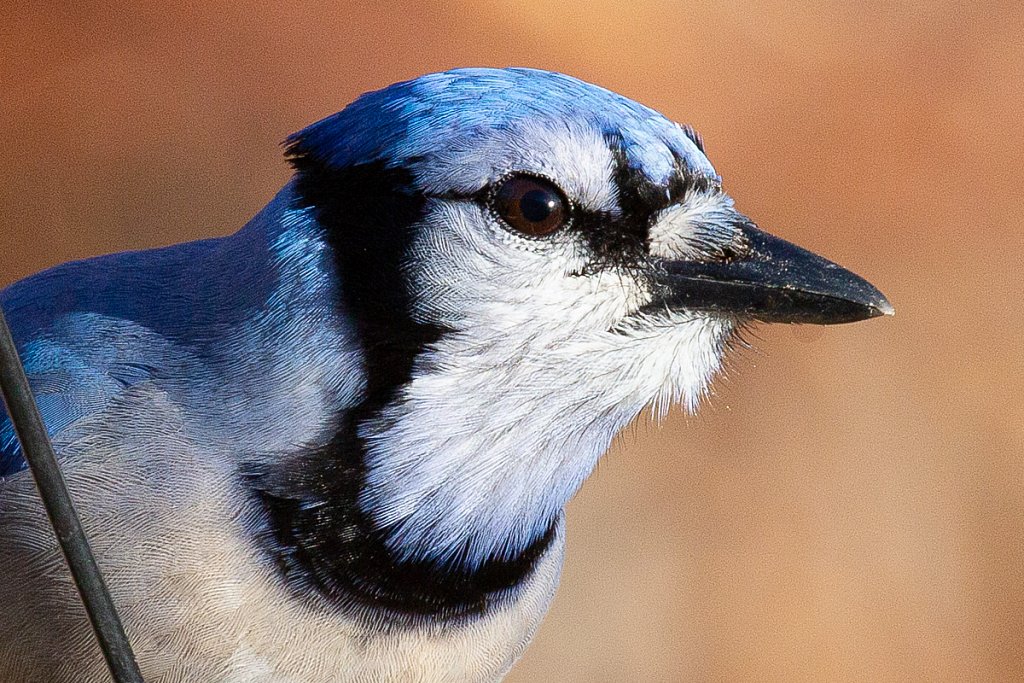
[[38, 451]]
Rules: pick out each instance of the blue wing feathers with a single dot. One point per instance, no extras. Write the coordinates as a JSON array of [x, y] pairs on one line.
[[67, 387], [88, 329]]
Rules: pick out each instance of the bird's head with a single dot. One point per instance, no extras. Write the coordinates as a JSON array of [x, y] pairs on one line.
[[530, 261]]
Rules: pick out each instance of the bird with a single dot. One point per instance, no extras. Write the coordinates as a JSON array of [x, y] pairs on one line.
[[337, 445]]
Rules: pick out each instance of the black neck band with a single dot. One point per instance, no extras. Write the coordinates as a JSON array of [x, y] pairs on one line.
[[320, 536]]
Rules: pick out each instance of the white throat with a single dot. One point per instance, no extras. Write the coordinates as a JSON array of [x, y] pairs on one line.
[[482, 475]]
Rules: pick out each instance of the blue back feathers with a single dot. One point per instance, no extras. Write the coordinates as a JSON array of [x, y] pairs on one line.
[[88, 329]]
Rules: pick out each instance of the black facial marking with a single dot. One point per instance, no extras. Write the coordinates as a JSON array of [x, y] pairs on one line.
[[318, 534], [622, 240]]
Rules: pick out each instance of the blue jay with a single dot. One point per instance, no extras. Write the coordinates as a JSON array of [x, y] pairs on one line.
[[337, 444]]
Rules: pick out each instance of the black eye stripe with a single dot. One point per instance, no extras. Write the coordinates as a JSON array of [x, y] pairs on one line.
[[614, 238]]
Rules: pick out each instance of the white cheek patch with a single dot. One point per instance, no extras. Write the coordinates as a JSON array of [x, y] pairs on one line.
[[470, 273], [700, 226], [509, 412]]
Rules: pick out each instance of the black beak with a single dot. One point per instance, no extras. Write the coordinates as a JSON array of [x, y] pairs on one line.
[[772, 281]]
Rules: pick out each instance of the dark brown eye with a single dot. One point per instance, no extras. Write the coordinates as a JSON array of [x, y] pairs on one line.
[[532, 206]]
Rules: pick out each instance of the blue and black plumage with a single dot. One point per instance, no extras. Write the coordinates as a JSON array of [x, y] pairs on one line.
[[337, 444]]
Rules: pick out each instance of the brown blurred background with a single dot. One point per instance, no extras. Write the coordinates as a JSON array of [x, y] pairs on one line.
[[851, 504]]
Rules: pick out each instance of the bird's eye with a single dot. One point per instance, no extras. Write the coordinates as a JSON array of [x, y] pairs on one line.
[[532, 206]]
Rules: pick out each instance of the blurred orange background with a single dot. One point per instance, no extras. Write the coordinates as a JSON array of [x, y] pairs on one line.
[[850, 505]]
